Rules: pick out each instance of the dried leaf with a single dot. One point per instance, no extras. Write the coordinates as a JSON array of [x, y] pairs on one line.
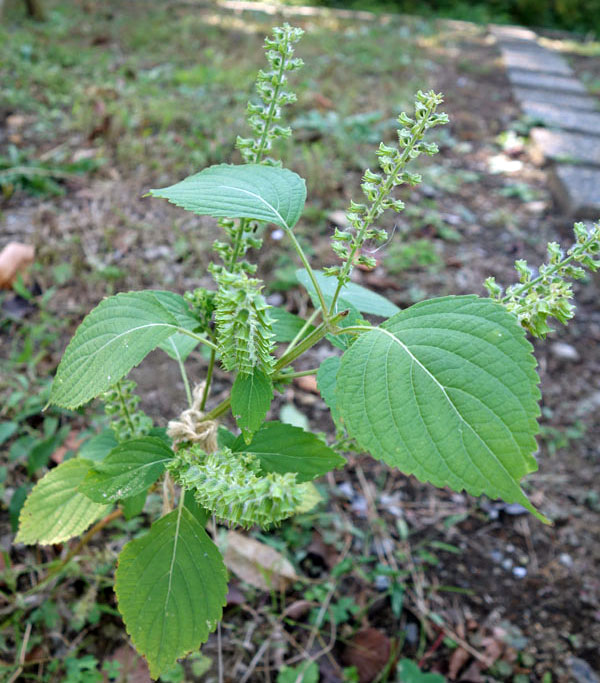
[[369, 651], [257, 563], [308, 383], [14, 259], [459, 658]]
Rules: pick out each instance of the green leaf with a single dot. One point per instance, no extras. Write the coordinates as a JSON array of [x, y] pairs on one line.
[[225, 438], [282, 448], [200, 514], [16, 505], [134, 505], [362, 299], [178, 346], [99, 446], [251, 398], [409, 672], [129, 469], [171, 586], [54, 510], [306, 672], [265, 193], [326, 383], [286, 325], [7, 429], [111, 340], [446, 390]]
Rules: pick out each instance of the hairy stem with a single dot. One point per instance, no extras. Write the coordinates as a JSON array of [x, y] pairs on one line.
[[311, 274], [577, 251], [292, 375], [126, 414], [309, 321], [186, 381], [209, 373], [199, 337]]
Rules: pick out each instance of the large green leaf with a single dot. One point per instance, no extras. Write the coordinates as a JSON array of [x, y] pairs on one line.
[[129, 469], [99, 446], [265, 193], [327, 382], [360, 298], [178, 346], [171, 586], [55, 511], [251, 397], [111, 340], [446, 390], [283, 448]]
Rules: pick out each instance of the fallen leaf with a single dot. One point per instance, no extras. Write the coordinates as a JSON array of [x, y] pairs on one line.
[[14, 259], [369, 651], [133, 668], [297, 609], [308, 383], [71, 443], [257, 563], [459, 658]]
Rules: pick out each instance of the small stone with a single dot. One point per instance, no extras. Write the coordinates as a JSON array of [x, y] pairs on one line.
[[515, 509], [157, 252], [558, 99], [345, 489], [275, 299], [519, 572], [581, 671], [338, 218], [412, 633], [577, 190], [562, 146], [534, 79], [382, 582], [565, 559], [564, 351], [496, 556]]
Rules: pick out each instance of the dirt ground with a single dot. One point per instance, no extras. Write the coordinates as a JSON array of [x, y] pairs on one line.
[[488, 592]]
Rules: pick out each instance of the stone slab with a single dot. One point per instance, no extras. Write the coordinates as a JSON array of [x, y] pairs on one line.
[[541, 60], [535, 79], [558, 99], [577, 190], [561, 146], [502, 32], [551, 116]]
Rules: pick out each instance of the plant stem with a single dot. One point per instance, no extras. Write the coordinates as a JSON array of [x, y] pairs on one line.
[[311, 274], [384, 191], [292, 375], [577, 252], [201, 339], [186, 382], [305, 327], [222, 408], [257, 158], [315, 336], [209, 373], [126, 414]]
